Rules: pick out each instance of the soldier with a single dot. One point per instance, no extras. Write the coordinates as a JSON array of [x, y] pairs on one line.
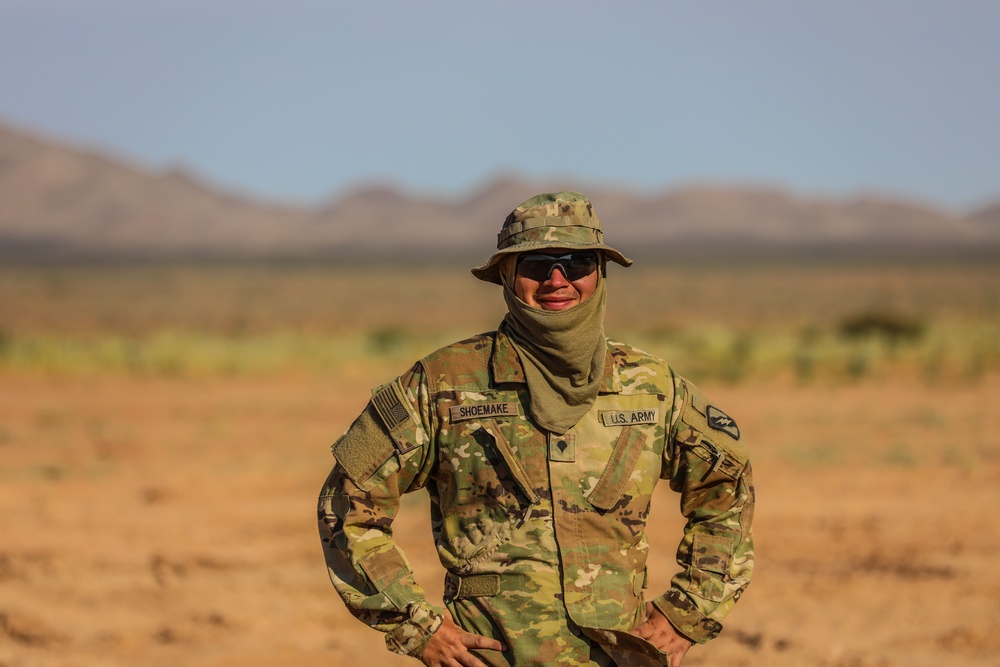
[[540, 444]]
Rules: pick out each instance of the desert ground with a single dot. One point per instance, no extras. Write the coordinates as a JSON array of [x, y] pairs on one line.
[[163, 437]]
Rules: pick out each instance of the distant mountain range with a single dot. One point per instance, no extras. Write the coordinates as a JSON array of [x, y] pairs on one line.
[[58, 202]]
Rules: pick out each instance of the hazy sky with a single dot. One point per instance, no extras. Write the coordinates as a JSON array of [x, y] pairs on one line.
[[302, 99]]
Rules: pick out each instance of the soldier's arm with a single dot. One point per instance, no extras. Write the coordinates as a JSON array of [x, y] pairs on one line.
[[386, 452], [708, 464]]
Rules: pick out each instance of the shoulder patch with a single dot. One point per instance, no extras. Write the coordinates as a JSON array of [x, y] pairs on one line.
[[394, 411], [388, 401], [720, 421], [364, 448], [702, 420], [386, 426]]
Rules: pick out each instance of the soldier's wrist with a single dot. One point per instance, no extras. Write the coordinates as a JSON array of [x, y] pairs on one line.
[[410, 636], [685, 616]]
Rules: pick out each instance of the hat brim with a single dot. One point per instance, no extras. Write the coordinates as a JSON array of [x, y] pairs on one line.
[[490, 271]]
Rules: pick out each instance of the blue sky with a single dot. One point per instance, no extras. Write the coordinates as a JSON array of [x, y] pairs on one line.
[[301, 100]]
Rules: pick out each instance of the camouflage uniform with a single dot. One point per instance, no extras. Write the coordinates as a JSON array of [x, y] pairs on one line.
[[542, 535]]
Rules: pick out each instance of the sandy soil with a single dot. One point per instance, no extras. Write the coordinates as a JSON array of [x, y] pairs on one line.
[[169, 522]]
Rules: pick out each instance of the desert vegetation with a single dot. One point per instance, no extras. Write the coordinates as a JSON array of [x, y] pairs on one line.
[[744, 322]]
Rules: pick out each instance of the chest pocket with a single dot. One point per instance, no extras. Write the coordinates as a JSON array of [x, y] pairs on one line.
[[512, 466], [483, 489], [628, 447]]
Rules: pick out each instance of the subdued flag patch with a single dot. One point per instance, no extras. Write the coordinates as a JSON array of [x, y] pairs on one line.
[[388, 401]]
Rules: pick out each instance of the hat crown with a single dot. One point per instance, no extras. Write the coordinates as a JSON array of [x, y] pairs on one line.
[[556, 217], [556, 220]]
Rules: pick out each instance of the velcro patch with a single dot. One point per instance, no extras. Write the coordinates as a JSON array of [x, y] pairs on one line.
[[364, 448], [629, 417], [385, 567], [720, 421], [471, 586], [562, 448], [484, 410]]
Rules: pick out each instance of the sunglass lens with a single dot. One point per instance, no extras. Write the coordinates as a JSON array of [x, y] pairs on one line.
[[573, 266], [581, 265]]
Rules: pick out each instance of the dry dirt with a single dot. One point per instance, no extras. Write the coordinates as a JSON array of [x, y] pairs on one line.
[[171, 522]]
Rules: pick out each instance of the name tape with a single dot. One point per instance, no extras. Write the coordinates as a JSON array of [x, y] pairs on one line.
[[478, 410], [628, 417]]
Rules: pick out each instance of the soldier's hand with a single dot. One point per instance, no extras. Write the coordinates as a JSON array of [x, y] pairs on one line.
[[658, 632], [450, 645]]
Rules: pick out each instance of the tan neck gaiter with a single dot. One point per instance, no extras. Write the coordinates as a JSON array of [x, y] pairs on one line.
[[563, 354]]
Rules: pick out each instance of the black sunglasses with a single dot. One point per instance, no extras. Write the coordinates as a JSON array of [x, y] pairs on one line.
[[539, 267]]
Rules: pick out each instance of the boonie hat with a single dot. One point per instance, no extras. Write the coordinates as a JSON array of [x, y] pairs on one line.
[[553, 220]]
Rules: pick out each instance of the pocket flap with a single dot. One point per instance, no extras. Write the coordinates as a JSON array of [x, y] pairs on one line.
[[514, 466], [616, 474], [384, 567]]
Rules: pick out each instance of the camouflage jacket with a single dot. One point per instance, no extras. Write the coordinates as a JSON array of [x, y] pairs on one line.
[[542, 536]]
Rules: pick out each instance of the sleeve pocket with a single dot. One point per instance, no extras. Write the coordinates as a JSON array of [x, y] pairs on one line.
[[384, 568], [712, 553]]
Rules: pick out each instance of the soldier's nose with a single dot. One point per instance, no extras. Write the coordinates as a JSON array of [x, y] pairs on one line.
[[556, 278]]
